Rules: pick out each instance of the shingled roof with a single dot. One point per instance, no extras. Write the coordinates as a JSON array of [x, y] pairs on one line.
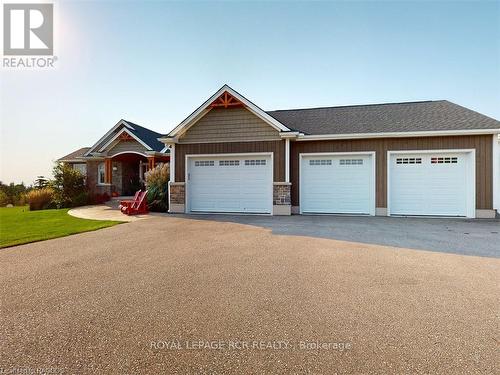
[[149, 137], [440, 115], [75, 154]]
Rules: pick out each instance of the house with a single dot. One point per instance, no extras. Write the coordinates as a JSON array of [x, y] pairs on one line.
[[418, 158], [116, 163]]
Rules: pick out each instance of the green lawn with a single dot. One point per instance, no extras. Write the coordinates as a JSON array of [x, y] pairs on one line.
[[19, 225]]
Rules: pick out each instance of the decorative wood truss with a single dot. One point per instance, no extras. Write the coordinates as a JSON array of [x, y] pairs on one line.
[[226, 100], [125, 137]]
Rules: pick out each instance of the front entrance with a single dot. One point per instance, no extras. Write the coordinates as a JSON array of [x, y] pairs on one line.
[[126, 173]]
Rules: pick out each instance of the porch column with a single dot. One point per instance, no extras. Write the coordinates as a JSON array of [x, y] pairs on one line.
[[108, 171], [151, 162]]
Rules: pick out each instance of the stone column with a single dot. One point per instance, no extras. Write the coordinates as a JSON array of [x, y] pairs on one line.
[[282, 198]]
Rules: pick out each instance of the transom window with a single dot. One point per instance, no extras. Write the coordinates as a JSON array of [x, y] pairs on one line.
[[444, 160], [229, 163], [320, 162], [255, 162], [409, 161], [351, 161], [204, 163]]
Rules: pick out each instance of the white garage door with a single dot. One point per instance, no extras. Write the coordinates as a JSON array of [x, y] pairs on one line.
[[230, 184], [341, 184], [429, 184]]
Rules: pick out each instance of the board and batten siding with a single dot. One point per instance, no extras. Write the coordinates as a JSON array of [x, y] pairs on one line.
[[229, 125], [127, 146], [276, 147], [482, 144]]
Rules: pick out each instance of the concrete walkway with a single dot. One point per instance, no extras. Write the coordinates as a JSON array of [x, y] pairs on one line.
[[103, 212]]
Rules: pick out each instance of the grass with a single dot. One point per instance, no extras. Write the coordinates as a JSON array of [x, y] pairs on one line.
[[19, 225]]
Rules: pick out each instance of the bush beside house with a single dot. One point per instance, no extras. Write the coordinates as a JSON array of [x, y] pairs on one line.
[[157, 185]]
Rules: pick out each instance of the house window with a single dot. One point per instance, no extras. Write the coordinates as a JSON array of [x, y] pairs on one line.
[[82, 168], [101, 174]]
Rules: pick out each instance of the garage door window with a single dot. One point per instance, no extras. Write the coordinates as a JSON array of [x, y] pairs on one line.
[[229, 163], [351, 162], [445, 160], [255, 162], [409, 161], [204, 163], [320, 162]]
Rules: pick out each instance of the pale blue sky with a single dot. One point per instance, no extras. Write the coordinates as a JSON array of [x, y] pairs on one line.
[[154, 62]]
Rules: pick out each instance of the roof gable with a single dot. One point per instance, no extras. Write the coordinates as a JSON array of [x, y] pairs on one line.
[[225, 97], [147, 137]]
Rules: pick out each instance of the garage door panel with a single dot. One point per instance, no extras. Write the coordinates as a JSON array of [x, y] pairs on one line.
[[230, 184], [428, 184], [336, 184]]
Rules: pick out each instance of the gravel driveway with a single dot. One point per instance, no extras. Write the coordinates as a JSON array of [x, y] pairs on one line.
[[177, 295]]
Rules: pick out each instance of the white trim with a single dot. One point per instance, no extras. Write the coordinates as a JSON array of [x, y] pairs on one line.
[[470, 170], [164, 149], [373, 194], [287, 160], [172, 163], [120, 133], [202, 110], [186, 183], [496, 172], [319, 137], [118, 124], [126, 152]]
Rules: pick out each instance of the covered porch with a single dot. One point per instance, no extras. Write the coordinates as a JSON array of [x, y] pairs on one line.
[[124, 172]]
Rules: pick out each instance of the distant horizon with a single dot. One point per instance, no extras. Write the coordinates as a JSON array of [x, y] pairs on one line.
[[281, 56]]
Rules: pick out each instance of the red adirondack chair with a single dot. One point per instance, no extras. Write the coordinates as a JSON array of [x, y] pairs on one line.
[[139, 206], [128, 202]]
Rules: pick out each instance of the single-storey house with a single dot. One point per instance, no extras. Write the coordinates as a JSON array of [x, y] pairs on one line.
[[116, 163], [431, 158]]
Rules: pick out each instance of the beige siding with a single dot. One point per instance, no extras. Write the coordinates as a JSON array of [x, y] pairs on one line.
[[126, 146], [229, 125]]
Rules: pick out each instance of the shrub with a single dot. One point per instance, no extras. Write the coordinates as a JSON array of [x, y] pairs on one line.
[[14, 192], [157, 185], [4, 199], [69, 186], [40, 199]]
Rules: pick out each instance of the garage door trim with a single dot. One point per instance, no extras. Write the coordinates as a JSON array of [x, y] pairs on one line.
[[229, 155], [470, 174], [372, 154]]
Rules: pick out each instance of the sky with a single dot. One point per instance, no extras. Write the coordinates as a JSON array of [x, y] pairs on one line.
[[154, 62]]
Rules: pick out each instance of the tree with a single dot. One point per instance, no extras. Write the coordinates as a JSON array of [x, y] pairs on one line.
[[40, 182], [69, 186]]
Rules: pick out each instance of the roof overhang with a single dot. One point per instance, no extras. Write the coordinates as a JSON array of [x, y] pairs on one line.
[[206, 107], [437, 133]]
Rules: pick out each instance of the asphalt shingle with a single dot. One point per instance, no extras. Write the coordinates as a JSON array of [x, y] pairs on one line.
[[381, 118]]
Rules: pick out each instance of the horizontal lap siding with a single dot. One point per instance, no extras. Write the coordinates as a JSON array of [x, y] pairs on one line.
[[276, 147], [482, 144]]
